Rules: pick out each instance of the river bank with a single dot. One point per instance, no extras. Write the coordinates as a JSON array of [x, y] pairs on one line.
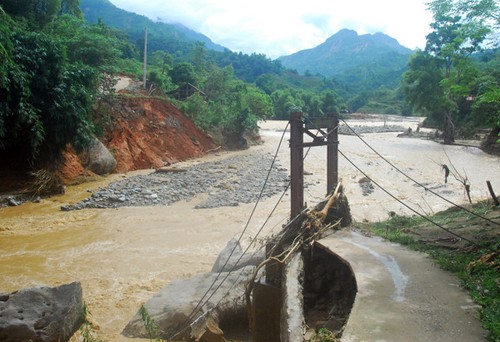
[[124, 255]]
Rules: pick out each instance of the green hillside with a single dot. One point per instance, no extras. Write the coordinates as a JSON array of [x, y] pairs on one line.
[[176, 39], [345, 51], [360, 62]]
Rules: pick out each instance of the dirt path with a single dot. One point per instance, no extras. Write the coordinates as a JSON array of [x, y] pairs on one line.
[[402, 296]]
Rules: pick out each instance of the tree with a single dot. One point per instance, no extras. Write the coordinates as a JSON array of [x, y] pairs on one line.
[[199, 57], [71, 7], [163, 60], [49, 79], [93, 45], [216, 83], [183, 73], [161, 82], [421, 84], [440, 80], [330, 102], [483, 10], [46, 102], [230, 108], [37, 13], [486, 108], [266, 83], [284, 102], [259, 106], [457, 33]]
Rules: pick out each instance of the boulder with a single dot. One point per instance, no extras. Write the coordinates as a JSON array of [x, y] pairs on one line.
[[41, 314], [99, 159], [253, 259], [171, 307]]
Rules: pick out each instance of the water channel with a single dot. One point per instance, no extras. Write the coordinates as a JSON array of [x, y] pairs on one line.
[[123, 256]]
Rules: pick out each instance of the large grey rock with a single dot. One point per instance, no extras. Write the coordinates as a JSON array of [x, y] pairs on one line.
[[171, 307], [100, 160], [41, 314], [237, 260]]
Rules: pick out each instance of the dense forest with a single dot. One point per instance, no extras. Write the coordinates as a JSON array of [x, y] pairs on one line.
[[454, 82], [57, 64]]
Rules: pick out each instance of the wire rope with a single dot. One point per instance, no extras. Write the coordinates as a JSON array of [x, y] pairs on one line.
[[202, 301], [411, 209], [415, 181]]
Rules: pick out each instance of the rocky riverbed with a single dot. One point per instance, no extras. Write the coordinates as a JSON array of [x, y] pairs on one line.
[[228, 182], [123, 256], [243, 185]]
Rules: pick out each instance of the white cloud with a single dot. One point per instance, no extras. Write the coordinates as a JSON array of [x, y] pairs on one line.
[[282, 27]]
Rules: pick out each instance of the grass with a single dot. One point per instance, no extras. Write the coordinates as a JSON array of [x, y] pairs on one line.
[[480, 277], [88, 330], [324, 335], [151, 326]]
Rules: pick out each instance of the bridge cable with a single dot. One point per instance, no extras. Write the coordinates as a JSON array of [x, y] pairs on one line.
[[418, 183], [200, 303], [260, 231], [413, 210]]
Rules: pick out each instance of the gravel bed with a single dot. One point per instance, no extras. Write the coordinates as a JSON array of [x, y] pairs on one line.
[[228, 182], [371, 129]]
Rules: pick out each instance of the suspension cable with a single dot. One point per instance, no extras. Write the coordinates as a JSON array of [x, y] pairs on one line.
[[202, 301], [416, 182], [413, 210], [258, 233]]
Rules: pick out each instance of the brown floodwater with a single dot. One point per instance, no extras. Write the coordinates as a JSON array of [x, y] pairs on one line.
[[123, 256]]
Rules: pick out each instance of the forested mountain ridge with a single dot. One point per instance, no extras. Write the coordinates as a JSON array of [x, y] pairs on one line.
[[361, 62], [56, 66], [347, 50], [162, 36], [269, 75]]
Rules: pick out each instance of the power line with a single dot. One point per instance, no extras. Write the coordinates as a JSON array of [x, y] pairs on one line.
[[416, 182], [413, 210], [201, 302]]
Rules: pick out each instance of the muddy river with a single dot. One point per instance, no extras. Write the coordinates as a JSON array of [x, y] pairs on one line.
[[123, 256]]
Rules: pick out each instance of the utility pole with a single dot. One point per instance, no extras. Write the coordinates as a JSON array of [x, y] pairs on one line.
[[145, 56]]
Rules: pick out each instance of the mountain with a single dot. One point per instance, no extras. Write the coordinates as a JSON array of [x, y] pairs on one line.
[[161, 36], [357, 62], [362, 62], [343, 51]]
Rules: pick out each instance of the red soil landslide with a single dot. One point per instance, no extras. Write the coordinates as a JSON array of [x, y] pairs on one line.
[[148, 133]]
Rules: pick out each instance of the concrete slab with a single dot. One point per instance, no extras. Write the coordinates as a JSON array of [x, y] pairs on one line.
[[402, 295]]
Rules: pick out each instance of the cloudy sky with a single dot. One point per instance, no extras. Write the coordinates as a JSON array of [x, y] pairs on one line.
[[282, 27]]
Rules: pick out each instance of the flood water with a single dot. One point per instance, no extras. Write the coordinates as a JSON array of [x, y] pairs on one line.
[[123, 256]]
